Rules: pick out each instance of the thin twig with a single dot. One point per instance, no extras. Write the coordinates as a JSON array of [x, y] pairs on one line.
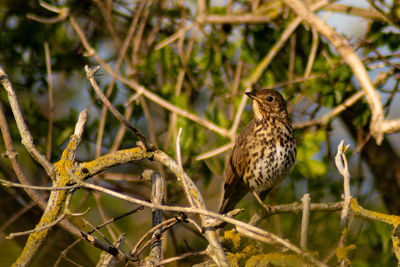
[[16, 215], [157, 197], [295, 208], [174, 116], [235, 86], [37, 229], [63, 254], [313, 52], [333, 113], [159, 227], [21, 175], [305, 220], [111, 230], [251, 231], [121, 130], [49, 225], [112, 220], [109, 23], [236, 121], [356, 11], [12, 156], [94, 229], [139, 88], [292, 58], [118, 64], [214, 152], [46, 188], [352, 60], [341, 164], [51, 102], [27, 139], [179, 158], [150, 124], [259, 70], [173, 37], [196, 200], [181, 257], [139, 33], [62, 14], [90, 76], [53, 210], [106, 259]]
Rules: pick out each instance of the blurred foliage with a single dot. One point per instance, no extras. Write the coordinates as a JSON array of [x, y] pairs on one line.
[[207, 91]]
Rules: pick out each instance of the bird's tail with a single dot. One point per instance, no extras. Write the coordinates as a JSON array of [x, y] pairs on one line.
[[230, 198]]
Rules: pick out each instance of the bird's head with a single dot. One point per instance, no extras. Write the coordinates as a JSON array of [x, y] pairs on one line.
[[268, 103]]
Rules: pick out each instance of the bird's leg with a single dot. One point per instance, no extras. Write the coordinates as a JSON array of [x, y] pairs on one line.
[[266, 207], [260, 215]]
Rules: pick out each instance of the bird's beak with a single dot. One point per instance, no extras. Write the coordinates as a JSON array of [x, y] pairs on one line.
[[252, 95]]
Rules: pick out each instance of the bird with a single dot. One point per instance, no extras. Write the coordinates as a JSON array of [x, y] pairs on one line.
[[264, 152]]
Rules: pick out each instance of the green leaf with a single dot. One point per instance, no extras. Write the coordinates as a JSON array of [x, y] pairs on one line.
[[306, 150]]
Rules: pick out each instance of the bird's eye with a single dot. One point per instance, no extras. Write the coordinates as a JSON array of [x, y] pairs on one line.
[[270, 99]]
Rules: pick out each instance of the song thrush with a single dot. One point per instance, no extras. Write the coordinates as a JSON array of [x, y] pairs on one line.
[[264, 152]]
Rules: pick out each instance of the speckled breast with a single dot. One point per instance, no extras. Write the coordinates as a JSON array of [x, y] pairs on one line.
[[272, 155]]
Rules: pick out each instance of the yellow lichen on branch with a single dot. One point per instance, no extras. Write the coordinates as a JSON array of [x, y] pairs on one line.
[[64, 169], [396, 242], [343, 252], [392, 220], [90, 168], [244, 252], [55, 204], [373, 215]]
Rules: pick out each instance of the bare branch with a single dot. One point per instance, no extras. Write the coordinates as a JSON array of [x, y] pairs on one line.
[[173, 37], [351, 58], [90, 75], [305, 220], [341, 164], [106, 259], [278, 45], [356, 11], [122, 55], [139, 88], [12, 155], [181, 257], [159, 229], [51, 102], [157, 197], [333, 113], [53, 209], [215, 152], [196, 200], [313, 52], [62, 14], [396, 242], [27, 139], [80, 125], [248, 230]]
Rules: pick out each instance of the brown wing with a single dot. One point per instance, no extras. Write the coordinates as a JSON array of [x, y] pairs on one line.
[[235, 188]]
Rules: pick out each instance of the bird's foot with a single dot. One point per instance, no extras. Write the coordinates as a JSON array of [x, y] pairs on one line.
[[266, 207]]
